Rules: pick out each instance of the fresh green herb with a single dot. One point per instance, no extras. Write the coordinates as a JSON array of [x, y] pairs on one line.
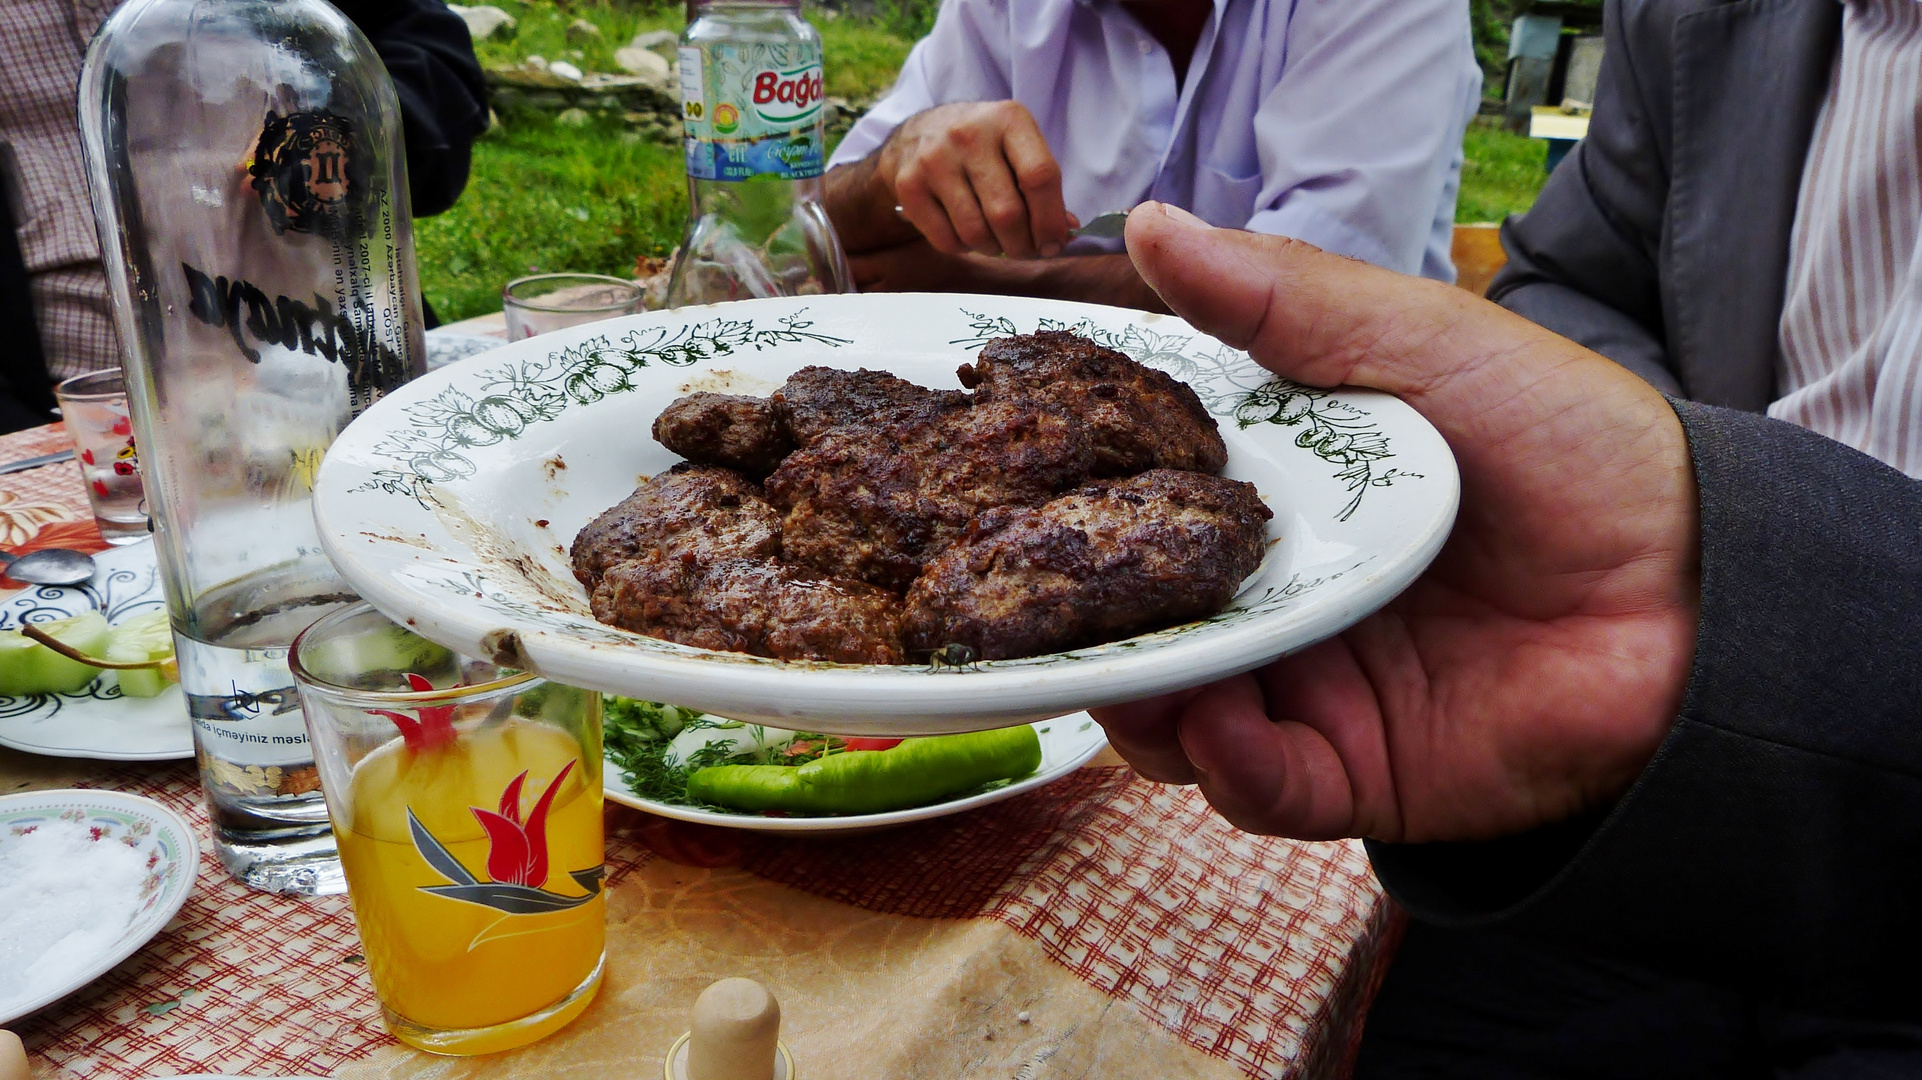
[[635, 737], [639, 734]]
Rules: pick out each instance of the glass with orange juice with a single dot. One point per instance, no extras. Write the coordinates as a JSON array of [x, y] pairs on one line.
[[466, 799]]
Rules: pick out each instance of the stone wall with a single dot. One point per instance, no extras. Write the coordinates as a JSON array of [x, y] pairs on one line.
[[646, 106], [645, 95]]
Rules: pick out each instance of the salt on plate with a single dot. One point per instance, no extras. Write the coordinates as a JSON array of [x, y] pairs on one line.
[[65, 898]]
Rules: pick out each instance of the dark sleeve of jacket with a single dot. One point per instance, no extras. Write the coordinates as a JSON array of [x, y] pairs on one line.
[[26, 394], [1774, 844], [443, 98], [1584, 261]]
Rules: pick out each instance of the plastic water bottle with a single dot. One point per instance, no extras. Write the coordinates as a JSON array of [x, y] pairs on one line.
[[248, 177], [756, 146]]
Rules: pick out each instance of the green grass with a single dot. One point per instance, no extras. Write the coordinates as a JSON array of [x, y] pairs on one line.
[[1502, 175], [546, 198], [860, 59]]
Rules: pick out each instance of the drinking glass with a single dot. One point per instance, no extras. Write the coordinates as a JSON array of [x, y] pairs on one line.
[[536, 305], [94, 408], [466, 800]]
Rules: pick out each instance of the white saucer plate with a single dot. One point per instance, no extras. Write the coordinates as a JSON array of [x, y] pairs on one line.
[[142, 824], [1067, 743], [97, 722], [451, 505]]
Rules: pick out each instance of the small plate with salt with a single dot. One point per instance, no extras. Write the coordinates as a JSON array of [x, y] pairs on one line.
[[86, 879]]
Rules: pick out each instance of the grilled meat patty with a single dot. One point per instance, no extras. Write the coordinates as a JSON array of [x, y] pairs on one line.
[[874, 502], [1113, 559], [979, 507], [753, 434], [734, 430], [1137, 418], [691, 557], [756, 606], [690, 508], [815, 400]]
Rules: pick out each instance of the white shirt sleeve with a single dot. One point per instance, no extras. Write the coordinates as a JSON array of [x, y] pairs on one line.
[[1359, 139], [964, 58]]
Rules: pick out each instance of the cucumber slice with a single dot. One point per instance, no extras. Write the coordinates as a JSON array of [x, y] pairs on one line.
[[142, 638], [28, 668], [738, 742]]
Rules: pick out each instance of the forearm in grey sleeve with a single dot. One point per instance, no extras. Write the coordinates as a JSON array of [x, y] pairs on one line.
[[1774, 844], [1582, 262]]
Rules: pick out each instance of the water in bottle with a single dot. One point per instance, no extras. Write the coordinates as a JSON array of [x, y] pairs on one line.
[[247, 168], [756, 148]]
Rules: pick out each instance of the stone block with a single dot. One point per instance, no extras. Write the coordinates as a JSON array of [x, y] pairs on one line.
[[485, 21], [645, 63], [661, 41]]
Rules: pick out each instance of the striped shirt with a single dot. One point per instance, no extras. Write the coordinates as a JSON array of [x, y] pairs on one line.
[[42, 43], [1851, 328]]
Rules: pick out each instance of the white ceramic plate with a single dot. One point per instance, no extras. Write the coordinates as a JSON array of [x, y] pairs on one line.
[[451, 505], [97, 722], [1067, 743], [173, 860]]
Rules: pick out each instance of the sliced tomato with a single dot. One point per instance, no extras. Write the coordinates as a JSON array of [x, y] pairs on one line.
[[873, 744]]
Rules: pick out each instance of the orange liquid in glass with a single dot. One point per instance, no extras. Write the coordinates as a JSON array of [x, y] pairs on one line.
[[445, 963]]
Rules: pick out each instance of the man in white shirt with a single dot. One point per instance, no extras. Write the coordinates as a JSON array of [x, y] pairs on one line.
[[1338, 123]]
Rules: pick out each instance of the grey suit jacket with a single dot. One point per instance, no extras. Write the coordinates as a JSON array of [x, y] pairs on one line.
[[1662, 241], [1774, 844]]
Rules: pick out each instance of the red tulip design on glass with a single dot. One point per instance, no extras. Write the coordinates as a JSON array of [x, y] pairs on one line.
[[516, 845], [431, 727], [517, 850]]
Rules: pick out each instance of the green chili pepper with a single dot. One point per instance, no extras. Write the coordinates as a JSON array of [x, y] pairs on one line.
[[917, 772]]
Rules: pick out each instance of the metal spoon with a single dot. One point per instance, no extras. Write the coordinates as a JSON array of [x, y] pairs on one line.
[[52, 566], [1108, 226], [1103, 226]]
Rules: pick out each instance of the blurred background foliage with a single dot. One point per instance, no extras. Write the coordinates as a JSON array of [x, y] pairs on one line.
[[598, 196]]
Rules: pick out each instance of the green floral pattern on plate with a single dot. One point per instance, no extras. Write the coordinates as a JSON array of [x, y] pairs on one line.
[[531, 391]]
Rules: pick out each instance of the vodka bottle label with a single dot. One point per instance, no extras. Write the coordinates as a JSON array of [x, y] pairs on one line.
[[753, 110]]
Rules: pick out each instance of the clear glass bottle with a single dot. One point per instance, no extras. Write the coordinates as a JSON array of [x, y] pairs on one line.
[[756, 146], [247, 168]]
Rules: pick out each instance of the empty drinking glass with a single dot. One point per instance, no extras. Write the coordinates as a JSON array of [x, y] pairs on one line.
[[536, 305], [94, 408]]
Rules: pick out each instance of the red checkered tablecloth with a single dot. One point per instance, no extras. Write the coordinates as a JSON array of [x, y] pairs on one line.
[[1100, 926]]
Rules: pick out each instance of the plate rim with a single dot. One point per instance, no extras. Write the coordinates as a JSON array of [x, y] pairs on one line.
[[144, 930], [860, 822], [765, 691], [108, 560]]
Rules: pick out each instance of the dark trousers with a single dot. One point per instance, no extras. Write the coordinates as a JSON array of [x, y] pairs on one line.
[[1476, 1004]]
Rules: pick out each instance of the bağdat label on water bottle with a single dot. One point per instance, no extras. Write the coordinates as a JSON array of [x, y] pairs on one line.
[[752, 110]]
